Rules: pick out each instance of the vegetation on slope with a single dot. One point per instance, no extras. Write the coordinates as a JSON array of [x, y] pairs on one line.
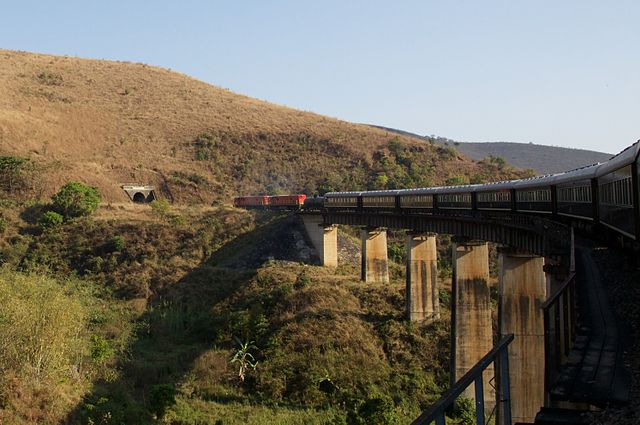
[[106, 123], [542, 159], [165, 307], [200, 314]]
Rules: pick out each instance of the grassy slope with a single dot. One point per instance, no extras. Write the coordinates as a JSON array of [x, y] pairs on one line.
[[195, 287], [107, 122]]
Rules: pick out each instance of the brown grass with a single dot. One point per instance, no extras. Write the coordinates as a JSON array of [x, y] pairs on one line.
[[105, 123]]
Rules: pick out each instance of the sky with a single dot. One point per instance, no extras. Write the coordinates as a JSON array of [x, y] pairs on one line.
[[563, 73]]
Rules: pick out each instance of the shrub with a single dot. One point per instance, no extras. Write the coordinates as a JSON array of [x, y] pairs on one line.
[[302, 280], [379, 410], [17, 175], [76, 199], [464, 411], [50, 219], [50, 78], [3, 225], [101, 350], [161, 397], [160, 207], [115, 244], [41, 326]]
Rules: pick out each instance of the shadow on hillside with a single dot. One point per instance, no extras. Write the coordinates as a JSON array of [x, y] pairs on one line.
[[180, 325]]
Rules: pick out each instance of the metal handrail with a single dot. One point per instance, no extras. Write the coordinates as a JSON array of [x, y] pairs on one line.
[[499, 353], [562, 288], [560, 328]]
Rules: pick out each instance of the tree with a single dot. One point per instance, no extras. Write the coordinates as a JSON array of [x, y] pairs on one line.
[[76, 199]]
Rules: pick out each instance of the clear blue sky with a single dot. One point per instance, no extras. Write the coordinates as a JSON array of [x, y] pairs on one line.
[[552, 72]]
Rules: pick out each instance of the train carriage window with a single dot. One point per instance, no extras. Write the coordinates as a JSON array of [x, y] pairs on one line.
[[379, 201], [575, 194], [456, 198], [343, 201], [494, 197], [536, 195], [617, 192], [417, 201]]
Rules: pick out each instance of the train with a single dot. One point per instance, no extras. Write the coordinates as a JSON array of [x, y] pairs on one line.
[[604, 194], [270, 202]]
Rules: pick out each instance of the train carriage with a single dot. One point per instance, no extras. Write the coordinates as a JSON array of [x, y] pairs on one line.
[[382, 200], [534, 195], [618, 192], [574, 193], [455, 198], [419, 201], [495, 196], [342, 200]]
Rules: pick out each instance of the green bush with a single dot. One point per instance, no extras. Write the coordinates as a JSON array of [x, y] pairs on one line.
[[302, 280], [101, 350], [161, 397], [464, 411], [41, 326], [115, 244], [50, 219], [378, 410], [160, 207], [76, 199], [17, 175]]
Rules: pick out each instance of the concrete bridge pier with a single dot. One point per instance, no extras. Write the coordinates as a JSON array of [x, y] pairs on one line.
[[522, 291], [375, 265], [472, 335], [422, 298], [324, 239]]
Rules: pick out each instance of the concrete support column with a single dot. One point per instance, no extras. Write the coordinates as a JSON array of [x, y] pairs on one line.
[[375, 266], [422, 298], [523, 289], [324, 238], [329, 254], [472, 335]]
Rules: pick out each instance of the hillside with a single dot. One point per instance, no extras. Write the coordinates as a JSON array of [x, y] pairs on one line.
[[540, 158], [161, 309], [106, 123], [543, 159]]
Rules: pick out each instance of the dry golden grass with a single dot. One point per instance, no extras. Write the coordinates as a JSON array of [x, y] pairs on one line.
[[106, 122]]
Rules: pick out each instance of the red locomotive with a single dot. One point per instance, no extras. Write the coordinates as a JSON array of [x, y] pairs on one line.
[[277, 202], [251, 201], [295, 201]]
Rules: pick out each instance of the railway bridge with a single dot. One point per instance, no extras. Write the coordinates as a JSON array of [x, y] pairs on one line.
[[537, 301], [559, 345]]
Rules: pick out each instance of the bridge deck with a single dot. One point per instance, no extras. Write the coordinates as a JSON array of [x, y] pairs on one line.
[[594, 372]]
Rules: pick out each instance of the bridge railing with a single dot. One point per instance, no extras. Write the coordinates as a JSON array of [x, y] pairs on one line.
[[498, 355], [560, 327]]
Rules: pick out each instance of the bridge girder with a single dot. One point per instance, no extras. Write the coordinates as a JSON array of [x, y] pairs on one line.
[[531, 234]]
